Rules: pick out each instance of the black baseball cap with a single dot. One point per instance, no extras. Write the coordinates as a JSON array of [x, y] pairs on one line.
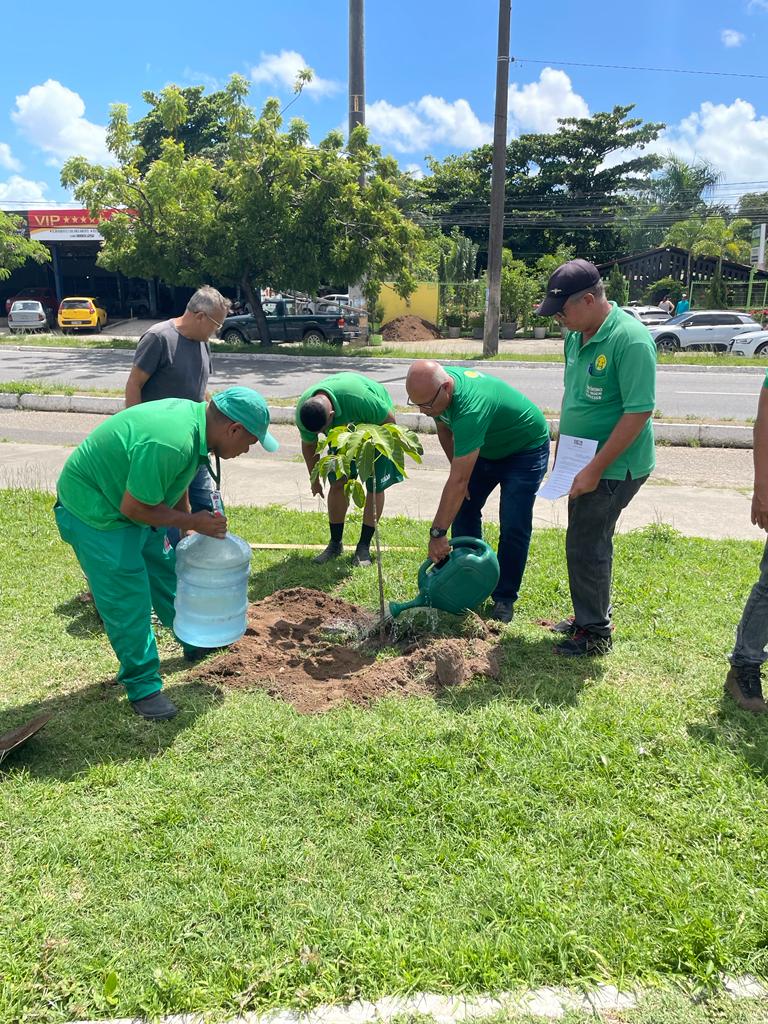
[[570, 278]]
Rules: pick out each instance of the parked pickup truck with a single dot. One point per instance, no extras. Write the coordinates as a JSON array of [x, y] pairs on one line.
[[285, 324]]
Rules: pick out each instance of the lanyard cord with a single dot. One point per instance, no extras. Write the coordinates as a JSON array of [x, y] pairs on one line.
[[217, 475]]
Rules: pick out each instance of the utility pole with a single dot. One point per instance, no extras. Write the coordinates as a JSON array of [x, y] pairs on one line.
[[356, 64], [498, 181]]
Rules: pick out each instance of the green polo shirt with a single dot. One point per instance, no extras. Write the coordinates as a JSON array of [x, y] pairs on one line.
[[489, 414], [152, 451], [612, 374], [355, 399]]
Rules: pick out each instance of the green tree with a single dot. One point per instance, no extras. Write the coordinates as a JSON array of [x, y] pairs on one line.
[[352, 452], [725, 240], [681, 187], [16, 248], [686, 234], [519, 290], [616, 286], [570, 187], [266, 208], [754, 207]]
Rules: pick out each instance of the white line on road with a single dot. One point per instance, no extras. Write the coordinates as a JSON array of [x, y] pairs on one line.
[[741, 394]]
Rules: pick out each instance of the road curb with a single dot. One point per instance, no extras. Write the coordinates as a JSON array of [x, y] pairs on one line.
[[704, 435], [352, 361], [550, 1003]]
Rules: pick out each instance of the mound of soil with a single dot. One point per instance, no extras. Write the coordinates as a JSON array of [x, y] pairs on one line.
[[310, 649], [409, 328]]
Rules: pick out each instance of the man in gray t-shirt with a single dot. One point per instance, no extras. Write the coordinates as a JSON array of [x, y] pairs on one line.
[[173, 360]]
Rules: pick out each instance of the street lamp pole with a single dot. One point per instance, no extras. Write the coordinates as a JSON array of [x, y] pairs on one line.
[[356, 64], [498, 181]]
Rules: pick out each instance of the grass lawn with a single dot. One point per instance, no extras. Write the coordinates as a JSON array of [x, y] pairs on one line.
[[600, 820]]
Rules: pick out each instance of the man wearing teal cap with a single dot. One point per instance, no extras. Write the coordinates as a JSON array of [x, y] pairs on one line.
[[117, 493]]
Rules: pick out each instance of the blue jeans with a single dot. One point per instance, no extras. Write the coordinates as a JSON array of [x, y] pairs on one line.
[[518, 476], [752, 632], [200, 491]]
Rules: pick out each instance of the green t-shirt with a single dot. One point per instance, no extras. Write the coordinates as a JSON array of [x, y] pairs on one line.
[[612, 374], [489, 414], [355, 399], [151, 450]]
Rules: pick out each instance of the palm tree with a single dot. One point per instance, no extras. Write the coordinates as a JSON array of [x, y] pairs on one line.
[[682, 187], [686, 234], [724, 240]]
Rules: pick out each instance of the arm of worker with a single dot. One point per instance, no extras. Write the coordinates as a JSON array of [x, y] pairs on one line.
[[163, 515], [760, 458], [137, 378], [620, 438], [451, 500], [311, 458], [445, 437]]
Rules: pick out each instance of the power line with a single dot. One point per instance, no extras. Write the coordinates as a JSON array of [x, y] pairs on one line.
[[634, 67]]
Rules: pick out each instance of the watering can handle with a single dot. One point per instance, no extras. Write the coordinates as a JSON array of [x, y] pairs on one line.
[[456, 542]]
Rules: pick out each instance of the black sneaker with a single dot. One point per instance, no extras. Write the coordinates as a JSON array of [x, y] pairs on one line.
[[155, 708], [334, 550], [502, 611], [583, 643], [744, 684], [362, 556]]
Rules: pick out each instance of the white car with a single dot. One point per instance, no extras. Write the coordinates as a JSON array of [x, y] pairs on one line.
[[710, 329], [651, 316], [27, 316], [753, 344]]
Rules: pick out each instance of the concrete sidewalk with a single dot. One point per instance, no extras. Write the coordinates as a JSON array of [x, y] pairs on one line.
[[700, 492]]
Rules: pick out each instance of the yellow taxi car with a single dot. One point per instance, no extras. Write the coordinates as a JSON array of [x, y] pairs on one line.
[[78, 313]]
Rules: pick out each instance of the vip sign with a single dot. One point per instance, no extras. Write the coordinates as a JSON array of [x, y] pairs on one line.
[[64, 226]]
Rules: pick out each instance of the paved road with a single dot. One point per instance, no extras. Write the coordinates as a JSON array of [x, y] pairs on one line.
[[702, 492], [715, 394]]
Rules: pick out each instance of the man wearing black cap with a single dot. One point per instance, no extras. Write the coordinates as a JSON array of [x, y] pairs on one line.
[[610, 393]]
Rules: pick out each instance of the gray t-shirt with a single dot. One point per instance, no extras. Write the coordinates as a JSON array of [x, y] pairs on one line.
[[177, 366]]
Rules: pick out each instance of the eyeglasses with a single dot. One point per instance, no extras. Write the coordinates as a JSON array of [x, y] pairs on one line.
[[561, 315], [427, 405], [218, 325]]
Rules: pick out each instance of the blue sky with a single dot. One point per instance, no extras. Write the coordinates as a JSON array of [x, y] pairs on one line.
[[430, 72]]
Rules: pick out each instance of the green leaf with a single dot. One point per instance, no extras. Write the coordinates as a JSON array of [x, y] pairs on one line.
[[355, 490], [110, 987]]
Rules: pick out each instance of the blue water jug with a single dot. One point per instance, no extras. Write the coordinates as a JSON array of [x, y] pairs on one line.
[[211, 590]]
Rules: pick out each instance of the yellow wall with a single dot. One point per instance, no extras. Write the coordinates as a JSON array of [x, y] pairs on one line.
[[423, 302]]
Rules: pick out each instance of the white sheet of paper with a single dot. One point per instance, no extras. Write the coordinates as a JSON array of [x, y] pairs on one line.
[[573, 454]]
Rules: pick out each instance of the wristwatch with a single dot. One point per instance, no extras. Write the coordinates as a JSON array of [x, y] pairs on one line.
[[435, 532]]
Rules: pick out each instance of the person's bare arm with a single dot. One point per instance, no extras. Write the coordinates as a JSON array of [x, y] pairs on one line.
[[163, 515], [621, 437], [451, 500], [311, 458], [760, 459], [136, 380], [445, 437]]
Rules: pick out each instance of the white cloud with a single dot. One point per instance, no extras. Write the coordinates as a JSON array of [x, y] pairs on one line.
[[282, 69], [7, 159], [51, 117], [415, 170], [414, 127], [21, 190], [757, 5], [731, 38], [731, 136], [536, 106]]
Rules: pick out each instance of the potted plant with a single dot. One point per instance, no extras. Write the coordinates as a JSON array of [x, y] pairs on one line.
[[453, 323], [540, 326], [477, 324], [351, 452]]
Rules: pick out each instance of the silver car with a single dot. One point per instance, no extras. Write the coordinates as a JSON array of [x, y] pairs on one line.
[[27, 316], [711, 329], [651, 316], [753, 344]]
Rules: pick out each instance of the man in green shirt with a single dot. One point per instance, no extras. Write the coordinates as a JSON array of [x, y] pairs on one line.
[[334, 402], [493, 436], [117, 493], [610, 394]]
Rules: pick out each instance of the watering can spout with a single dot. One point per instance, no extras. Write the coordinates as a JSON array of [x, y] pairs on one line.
[[395, 607]]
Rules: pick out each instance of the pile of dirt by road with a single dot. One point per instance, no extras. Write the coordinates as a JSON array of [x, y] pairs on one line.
[[315, 651], [409, 328]]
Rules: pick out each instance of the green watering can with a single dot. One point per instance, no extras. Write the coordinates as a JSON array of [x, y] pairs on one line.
[[461, 581]]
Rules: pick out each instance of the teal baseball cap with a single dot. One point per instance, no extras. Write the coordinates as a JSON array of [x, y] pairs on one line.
[[246, 406]]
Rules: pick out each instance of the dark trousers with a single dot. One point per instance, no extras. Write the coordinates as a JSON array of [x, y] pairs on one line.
[[592, 522], [518, 477]]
